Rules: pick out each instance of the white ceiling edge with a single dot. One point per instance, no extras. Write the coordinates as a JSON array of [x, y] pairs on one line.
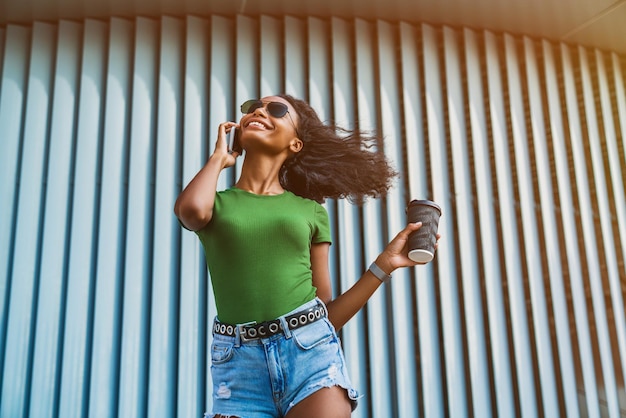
[[592, 23]]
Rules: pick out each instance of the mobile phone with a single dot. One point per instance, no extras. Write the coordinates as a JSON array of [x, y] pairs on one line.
[[233, 140]]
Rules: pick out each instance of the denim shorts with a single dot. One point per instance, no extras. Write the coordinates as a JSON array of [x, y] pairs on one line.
[[265, 378]]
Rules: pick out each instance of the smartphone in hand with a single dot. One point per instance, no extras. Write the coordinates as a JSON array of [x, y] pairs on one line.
[[233, 140]]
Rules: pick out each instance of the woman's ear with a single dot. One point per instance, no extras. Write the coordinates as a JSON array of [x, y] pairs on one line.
[[296, 145]]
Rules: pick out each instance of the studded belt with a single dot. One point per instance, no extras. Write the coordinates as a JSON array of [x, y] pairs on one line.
[[267, 329]]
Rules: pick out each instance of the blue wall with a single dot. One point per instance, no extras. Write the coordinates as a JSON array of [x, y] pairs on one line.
[[105, 302]]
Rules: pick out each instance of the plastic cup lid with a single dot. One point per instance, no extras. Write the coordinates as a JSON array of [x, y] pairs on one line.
[[424, 202]]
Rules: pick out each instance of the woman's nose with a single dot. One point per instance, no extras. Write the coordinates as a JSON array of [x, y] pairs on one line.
[[261, 110]]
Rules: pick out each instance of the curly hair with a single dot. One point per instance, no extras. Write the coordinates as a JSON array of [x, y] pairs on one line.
[[334, 162]]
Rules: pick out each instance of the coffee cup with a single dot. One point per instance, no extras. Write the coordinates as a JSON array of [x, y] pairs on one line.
[[422, 242]]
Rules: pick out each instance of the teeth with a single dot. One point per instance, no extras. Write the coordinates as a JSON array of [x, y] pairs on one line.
[[259, 124]]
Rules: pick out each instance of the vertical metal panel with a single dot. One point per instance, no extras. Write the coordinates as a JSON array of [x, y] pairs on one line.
[[317, 66], [20, 329], [379, 393], [192, 318], [247, 82], [165, 275], [609, 138], [532, 242], [512, 251], [295, 38], [582, 186], [12, 100], [247, 62], [2, 39], [446, 260], [596, 282], [318, 59], [599, 174], [79, 307], [620, 98], [221, 71], [55, 229], [492, 272], [572, 255], [419, 185], [271, 56], [615, 173], [222, 80], [400, 290], [550, 236], [348, 226], [133, 390], [318, 87], [459, 148], [106, 303]]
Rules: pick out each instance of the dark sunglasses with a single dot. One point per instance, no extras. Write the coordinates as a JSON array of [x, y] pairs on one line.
[[275, 109]]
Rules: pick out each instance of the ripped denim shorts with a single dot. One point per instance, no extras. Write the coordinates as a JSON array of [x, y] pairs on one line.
[[265, 378]]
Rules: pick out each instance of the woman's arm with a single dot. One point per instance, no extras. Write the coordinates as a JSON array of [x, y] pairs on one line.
[[321, 275], [194, 206], [349, 303]]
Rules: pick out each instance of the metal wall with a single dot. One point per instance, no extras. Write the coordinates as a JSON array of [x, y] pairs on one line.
[[104, 300]]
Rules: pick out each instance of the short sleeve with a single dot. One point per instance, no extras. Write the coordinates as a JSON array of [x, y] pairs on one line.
[[321, 231]]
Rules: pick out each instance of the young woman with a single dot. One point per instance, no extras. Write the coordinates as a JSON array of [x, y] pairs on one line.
[[275, 350]]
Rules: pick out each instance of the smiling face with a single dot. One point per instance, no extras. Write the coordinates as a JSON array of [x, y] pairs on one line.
[[270, 125]]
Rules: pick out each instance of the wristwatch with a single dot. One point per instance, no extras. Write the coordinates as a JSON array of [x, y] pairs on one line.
[[379, 273]]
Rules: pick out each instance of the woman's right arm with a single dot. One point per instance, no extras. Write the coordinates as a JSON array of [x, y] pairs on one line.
[[194, 205]]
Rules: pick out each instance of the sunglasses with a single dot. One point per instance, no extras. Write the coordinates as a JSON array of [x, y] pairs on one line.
[[276, 109]]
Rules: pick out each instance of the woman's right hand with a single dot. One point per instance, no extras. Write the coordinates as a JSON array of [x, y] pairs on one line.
[[221, 146]]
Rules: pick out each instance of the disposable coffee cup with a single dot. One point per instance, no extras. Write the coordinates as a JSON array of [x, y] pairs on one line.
[[422, 242]]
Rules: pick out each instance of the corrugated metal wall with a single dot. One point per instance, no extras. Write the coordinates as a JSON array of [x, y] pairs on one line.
[[104, 300]]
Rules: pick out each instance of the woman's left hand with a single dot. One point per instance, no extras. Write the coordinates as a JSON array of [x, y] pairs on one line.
[[395, 255]]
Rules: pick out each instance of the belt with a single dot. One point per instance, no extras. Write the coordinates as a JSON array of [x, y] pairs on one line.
[[266, 329]]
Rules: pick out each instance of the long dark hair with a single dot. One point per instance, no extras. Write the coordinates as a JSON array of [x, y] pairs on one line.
[[334, 162]]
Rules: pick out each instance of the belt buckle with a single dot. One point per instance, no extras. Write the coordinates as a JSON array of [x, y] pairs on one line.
[[243, 331]]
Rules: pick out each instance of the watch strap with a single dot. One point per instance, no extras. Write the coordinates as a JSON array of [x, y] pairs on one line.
[[379, 273]]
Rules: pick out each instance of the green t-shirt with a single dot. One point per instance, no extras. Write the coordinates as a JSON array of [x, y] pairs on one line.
[[257, 249]]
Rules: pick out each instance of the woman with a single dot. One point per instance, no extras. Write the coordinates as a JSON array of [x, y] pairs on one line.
[[275, 350]]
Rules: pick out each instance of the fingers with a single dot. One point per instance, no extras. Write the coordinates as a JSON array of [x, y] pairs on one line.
[[224, 128], [403, 235], [411, 227], [398, 243], [222, 131], [221, 150]]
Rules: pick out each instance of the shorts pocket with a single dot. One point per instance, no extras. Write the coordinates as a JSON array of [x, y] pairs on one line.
[[314, 334], [221, 351]]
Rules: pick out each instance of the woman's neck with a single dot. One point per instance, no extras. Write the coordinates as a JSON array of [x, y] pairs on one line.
[[260, 176], [260, 188]]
